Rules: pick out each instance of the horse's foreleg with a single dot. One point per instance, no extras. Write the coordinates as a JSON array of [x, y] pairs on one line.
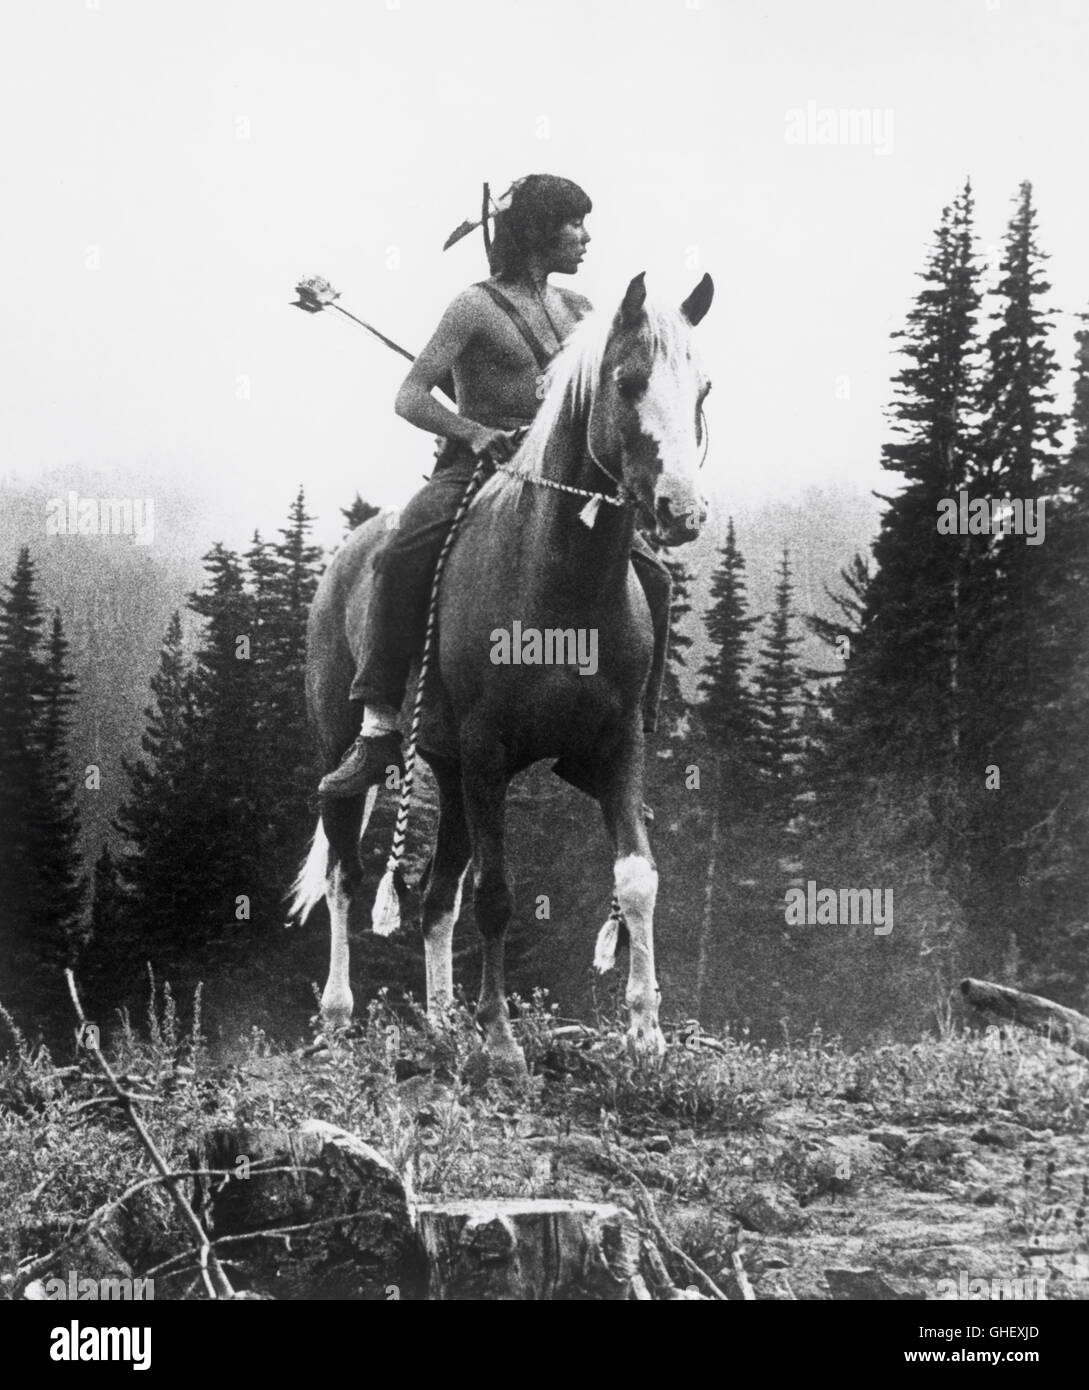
[[442, 898], [485, 779], [337, 1001], [341, 821], [636, 882]]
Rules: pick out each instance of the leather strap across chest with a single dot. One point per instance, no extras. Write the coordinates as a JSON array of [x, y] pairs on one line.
[[541, 354]]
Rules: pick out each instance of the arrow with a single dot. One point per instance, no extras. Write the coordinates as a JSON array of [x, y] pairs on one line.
[[316, 294]]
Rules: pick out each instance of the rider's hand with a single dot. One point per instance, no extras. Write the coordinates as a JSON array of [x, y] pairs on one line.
[[496, 445]]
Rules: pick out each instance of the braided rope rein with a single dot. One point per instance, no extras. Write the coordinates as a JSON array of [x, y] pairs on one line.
[[386, 913]]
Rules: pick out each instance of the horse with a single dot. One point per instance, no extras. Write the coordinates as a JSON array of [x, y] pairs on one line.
[[621, 423]]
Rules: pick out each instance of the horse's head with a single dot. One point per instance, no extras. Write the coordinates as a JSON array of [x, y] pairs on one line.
[[646, 427]]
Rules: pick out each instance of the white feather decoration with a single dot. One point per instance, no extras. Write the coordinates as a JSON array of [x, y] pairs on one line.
[[605, 950], [386, 913]]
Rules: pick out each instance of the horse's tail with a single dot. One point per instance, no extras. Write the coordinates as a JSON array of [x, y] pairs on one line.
[[309, 887]]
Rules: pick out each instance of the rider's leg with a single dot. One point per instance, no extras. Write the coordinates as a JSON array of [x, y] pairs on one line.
[[396, 620]]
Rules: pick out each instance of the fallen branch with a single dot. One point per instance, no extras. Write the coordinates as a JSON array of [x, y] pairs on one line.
[[742, 1278], [649, 1214], [659, 1275], [89, 1225], [215, 1282], [112, 1100], [1033, 1011], [175, 1268]]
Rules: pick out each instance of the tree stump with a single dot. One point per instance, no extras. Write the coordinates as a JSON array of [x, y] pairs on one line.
[[522, 1251], [1031, 1011], [359, 1241]]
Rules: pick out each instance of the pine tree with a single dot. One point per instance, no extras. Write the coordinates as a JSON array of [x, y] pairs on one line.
[[191, 865], [22, 677], [106, 897], [836, 743], [59, 817], [285, 735], [889, 745], [261, 573], [779, 698], [842, 633], [217, 813], [143, 902], [1019, 430], [357, 513], [721, 749], [727, 710], [41, 886], [292, 584], [1047, 826], [1018, 437], [907, 674], [228, 754], [299, 564], [222, 685], [674, 706]]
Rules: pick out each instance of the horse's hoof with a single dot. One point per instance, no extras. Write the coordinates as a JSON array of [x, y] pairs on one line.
[[335, 1016], [647, 1044]]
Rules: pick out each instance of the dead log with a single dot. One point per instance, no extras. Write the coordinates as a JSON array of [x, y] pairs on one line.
[[1031, 1011], [336, 1224], [528, 1251]]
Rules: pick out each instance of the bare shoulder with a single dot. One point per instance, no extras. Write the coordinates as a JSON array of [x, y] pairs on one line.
[[578, 302], [470, 304], [473, 311], [462, 320]]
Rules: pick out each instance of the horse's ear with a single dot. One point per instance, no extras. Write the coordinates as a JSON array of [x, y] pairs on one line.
[[634, 299], [699, 301]]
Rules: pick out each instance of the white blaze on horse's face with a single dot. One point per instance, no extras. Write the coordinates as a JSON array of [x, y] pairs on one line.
[[657, 415]]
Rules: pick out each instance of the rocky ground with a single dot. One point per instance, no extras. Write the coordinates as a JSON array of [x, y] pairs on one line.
[[954, 1168], [832, 1199]]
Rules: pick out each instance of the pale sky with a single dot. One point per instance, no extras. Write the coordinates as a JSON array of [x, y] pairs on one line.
[[170, 170]]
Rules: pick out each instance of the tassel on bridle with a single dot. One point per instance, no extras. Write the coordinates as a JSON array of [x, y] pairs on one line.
[[588, 515]]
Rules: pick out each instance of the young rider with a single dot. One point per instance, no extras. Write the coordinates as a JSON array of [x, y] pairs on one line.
[[496, 339]]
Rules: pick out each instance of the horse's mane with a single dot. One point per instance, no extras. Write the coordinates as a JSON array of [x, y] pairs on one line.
[[573, 376]]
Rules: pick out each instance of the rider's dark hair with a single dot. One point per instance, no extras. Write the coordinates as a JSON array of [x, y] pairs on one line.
[[539, 206]]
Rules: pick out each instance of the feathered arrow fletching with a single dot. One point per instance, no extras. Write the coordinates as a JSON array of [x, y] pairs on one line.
[[314, 294], [460, 231]]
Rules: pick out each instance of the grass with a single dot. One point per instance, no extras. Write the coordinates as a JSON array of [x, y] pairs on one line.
[[591, 1119]]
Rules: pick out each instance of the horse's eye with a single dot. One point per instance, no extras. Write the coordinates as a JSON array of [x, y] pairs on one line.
[[630, 387]]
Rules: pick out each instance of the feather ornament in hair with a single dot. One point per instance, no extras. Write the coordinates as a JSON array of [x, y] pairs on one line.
[[464, 228]]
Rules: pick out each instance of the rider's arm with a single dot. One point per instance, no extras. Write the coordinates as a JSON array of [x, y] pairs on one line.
[[417, 405]]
